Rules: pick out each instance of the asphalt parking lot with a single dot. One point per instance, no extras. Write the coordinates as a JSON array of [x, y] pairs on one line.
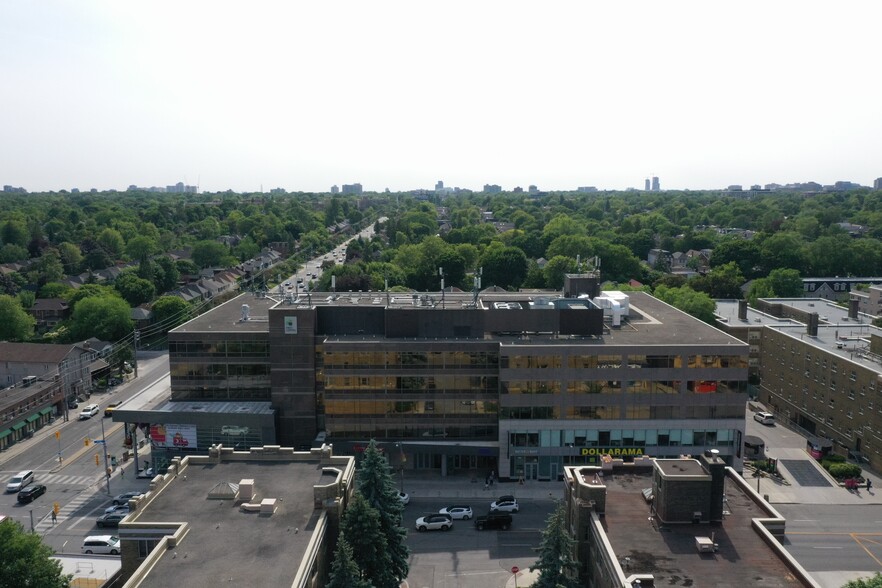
[[464, 557]]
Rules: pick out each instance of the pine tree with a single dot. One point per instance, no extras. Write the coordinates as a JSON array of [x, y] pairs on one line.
[[361, 525], [344, 570], [377, 485], [556, 554]]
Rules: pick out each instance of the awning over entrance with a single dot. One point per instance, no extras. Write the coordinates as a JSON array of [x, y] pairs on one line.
[[5, 433], [46, 410], [32, 418], [18, 426]]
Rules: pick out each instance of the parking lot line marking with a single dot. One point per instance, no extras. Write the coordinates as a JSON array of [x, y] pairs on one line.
[[475, 573]]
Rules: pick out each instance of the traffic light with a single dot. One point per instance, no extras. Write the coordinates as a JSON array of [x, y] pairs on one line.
[[87, 441], [97, 459], [55, 507]]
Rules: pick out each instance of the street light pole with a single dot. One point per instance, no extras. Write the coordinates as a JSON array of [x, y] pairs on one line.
[[106, 466], [401, 460]]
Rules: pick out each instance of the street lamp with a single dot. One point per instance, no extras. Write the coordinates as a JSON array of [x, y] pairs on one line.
[[401, 460]]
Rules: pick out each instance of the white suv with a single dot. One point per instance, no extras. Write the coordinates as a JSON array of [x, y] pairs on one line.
[[765, 418], [88, 412], [106, 544], [434, 522]]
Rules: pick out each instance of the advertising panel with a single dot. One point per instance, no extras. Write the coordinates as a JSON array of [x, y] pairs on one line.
[[175, 436]]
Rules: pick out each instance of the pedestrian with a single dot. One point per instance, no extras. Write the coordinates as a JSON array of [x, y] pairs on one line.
[[122, 473], [54, 517], [869, 484]]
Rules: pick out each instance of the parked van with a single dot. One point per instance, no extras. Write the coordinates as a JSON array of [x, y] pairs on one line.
[[105, 544], [20, 480], [88, 412], [765, 418]]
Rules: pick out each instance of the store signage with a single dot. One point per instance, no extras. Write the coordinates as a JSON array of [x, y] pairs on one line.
[[613, 451]]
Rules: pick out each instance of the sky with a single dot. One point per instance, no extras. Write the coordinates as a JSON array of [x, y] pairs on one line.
[[305, 95]]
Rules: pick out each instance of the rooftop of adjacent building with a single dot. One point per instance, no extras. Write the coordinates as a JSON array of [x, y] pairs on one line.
[[241, 547], [649, 321], [669, 552]]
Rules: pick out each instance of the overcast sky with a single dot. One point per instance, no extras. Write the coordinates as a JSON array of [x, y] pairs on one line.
[[399, 95]]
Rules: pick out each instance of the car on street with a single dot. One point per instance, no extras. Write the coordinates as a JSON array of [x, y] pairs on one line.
[[494, 520], [108, 410], [111, 519], [147, 473], [29, 493], [434, 522], [505, 504], [457, 511], [125, 497], [765, 418], [117, 508], [404, 497], [88, 412]]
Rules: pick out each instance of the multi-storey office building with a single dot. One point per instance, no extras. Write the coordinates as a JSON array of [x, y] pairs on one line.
[[519, 383]]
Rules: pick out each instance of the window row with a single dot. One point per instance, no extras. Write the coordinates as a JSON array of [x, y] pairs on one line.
[[433, 408], [620, 437], [475, 384], [364, 429], [616, 387], [620, 412], [218, 349], [410, 359]]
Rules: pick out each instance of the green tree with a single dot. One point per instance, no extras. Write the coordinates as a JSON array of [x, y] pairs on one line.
[[26, 561], [555, 270], [140, 248], [171, 311], [698, 304], [15, 323], [55, 290], [47, 268], [165, 274], [344, 569], [376, 485], [872, 582], [723, 281], [15, 232], [505, 267], [209, 253], [111, 242], [71, 257], [105, 317], [556, 564], [786, 283], [11, 252], [361, 525], [89, 290], [133, 289]]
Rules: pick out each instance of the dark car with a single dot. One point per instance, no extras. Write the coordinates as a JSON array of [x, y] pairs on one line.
[[494, 520], [125, 497], [110, 519], [29, 493]]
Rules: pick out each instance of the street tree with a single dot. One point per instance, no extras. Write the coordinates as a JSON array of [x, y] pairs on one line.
[[344, 569], [105, 317], [15, 323], [171, 311], [26, 561], [873, 582], [556, 564], [377, 486], [361, 525], [135, 290]]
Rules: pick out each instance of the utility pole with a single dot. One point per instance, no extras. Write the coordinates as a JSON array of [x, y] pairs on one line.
[[135, 339], [103, 443]]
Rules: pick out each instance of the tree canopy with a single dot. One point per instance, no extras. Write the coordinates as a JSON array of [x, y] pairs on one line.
[[15, 323], [26, 561], [105, 317], [556, 564]]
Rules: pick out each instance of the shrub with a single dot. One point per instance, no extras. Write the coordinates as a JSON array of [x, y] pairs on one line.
[[842, 471]]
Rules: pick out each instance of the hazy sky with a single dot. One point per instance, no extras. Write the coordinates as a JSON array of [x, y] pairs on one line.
[[398, 95]]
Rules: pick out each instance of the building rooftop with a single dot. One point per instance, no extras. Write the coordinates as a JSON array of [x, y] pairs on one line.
[[669, 552], [134, 411], [226, 545], [849, 341], [680, 467], [650, 321], [727, 312]]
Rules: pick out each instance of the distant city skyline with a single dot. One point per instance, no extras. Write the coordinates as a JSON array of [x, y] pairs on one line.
[[306, 96]]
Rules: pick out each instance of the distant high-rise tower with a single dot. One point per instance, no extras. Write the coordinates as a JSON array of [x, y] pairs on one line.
[[335, 189], [877, 185], [439, 185], [655, 187], [646, 183]]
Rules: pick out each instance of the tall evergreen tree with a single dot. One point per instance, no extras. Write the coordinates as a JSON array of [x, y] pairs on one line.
[[344, 570], [556, 561], [361, 523], [377, 486]]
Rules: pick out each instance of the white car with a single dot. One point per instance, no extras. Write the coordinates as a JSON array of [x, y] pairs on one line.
[[88, 412], [505, 504], [434, 522], [404, 497], [457, 512], [766, 418]]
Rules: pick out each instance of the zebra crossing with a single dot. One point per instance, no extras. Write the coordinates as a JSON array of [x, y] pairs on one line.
[[63, 480], [46, 523]]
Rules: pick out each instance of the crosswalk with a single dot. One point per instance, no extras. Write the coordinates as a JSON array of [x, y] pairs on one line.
[[46, 523], [63, 480]]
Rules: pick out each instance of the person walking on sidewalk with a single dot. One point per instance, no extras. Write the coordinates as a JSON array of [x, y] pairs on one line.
[[122, 473]]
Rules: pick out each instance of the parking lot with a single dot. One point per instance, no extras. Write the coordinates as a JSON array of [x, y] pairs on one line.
[[464, 557]]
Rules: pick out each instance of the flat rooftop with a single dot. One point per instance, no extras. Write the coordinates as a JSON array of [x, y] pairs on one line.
[[727, 312], [650, 321], [849, 341], [126, 413], [681, 467], [225, 545], [669, 552]]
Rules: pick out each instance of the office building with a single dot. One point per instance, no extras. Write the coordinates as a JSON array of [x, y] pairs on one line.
[[352, 189], [655, 184], [523, 384], [646, 185], [877, 184]]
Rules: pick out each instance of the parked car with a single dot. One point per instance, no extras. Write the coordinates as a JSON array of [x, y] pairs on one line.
[[404, 497], [146, 473], [434, 522], [111, 519], [494, 520], [765, 418], [125, 497], [505, 504], [104, 544], [29, 493], [117, 508], [88, 412], [457, 512]]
